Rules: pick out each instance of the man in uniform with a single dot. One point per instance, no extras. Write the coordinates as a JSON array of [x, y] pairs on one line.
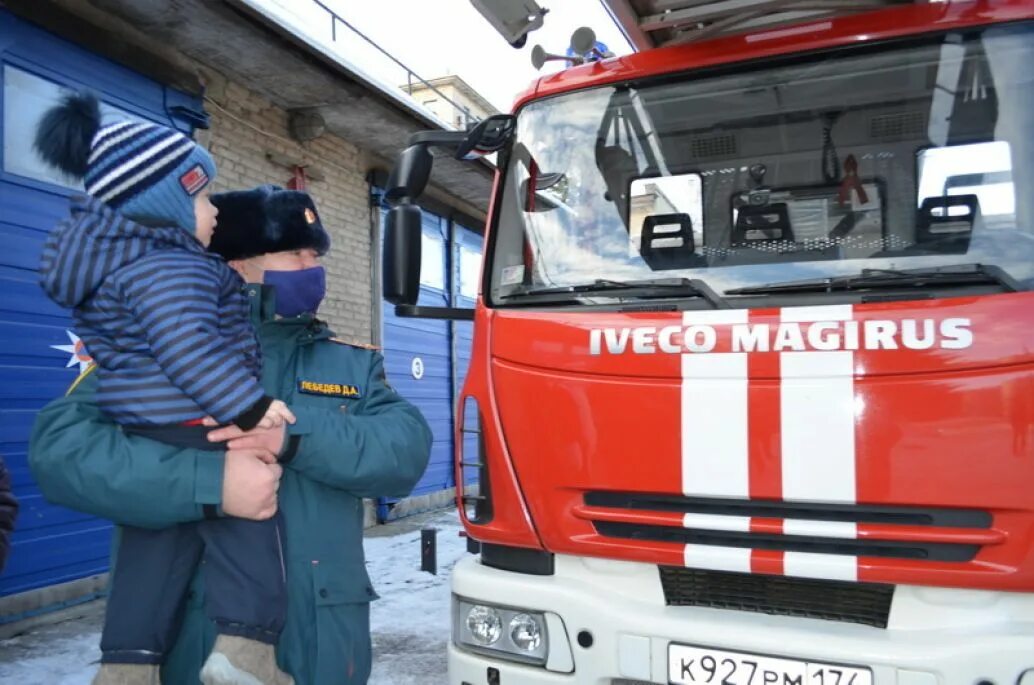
[[354, 438]]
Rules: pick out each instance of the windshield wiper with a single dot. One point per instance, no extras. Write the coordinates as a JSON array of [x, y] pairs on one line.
[[956, 274], [686, 287]]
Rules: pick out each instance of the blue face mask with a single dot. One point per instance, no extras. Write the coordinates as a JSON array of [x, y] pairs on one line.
[[298, 292]]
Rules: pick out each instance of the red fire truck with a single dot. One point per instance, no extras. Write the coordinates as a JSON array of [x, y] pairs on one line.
[[751, 399]]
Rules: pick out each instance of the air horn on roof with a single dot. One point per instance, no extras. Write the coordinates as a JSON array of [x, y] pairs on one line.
[[584, 48]]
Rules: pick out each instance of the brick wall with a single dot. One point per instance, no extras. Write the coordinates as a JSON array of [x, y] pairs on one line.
[[241, 151]]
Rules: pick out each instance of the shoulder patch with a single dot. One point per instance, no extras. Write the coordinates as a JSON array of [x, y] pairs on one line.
[[353, 343]]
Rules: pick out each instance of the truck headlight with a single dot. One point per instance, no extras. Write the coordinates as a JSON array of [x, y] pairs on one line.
[[484, 625], [526, 632], [479, 627]]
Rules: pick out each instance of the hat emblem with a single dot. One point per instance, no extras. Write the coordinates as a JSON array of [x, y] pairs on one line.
[[194, 180], [310, 216]]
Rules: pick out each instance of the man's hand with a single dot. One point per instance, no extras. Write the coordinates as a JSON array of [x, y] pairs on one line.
[[265, 439], [251, 479]]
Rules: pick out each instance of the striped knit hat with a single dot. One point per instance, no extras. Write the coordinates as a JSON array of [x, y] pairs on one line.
[[147, 172]]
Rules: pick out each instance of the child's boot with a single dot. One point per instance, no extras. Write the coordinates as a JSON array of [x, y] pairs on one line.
[[127, 674], [239, 661]]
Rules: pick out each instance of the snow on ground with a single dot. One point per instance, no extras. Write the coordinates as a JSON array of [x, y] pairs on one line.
[[410, 622], [62, 654]]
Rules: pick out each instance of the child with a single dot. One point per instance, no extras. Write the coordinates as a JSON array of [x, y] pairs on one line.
[[168, 325]]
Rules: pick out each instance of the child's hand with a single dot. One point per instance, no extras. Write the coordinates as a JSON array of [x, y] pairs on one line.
[[276, 416]]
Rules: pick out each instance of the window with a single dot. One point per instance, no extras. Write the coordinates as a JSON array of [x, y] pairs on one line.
[[432, 262], [470, 269], [26, 98], [917, 156]]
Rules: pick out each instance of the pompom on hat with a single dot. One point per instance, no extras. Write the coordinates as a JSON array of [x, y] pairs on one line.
[[264, 220]]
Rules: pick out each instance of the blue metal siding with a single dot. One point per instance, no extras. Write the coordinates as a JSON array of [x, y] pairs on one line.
[[406, 340], [433, 342], [31, 48], [51, 544]]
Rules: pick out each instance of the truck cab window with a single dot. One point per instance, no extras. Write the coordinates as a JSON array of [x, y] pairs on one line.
[[912, 157]]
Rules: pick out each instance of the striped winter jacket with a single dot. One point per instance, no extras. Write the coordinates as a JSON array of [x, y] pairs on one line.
[[166, 321]]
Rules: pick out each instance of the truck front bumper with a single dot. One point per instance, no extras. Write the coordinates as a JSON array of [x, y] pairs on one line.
[[934, 637]]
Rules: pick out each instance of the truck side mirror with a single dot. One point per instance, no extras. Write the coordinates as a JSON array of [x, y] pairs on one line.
[[402, 241], [402, 226], [410, 175], [412, 170]]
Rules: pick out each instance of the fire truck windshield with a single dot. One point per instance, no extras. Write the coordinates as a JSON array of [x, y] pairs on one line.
[[906, 157]]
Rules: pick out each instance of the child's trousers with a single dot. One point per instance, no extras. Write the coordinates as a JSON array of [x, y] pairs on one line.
[[244, 576]]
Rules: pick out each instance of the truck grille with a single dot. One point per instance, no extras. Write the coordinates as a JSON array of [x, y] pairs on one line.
[[864, 603], [929, 551], [914, 533]]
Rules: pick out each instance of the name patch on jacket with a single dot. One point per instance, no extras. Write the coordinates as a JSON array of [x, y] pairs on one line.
[[330, 389]]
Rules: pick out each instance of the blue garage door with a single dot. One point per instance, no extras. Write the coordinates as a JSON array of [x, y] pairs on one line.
[[426, 359], [418, 355], [39, 355]]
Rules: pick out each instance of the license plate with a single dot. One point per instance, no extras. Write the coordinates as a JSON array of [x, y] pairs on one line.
[[704, 666]]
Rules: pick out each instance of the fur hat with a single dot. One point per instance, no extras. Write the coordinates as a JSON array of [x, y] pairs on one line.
[[264, 220], [143, 170]]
